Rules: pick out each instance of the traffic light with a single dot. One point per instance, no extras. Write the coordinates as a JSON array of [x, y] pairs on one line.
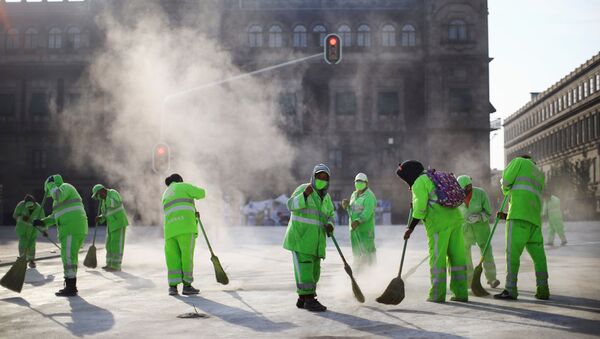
[[161, 158], [333, 49]]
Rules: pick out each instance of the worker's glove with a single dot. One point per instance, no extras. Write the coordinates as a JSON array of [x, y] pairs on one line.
[[45, 233], [408, 233], [329, 229], [484, 217], [197, 215], [345, 203], [355, 224], [474, 218], [97, 219], [501, 215], [25, 218]]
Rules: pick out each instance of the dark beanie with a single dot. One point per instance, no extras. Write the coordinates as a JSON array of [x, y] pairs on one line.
[[173, 178], [409, 171]]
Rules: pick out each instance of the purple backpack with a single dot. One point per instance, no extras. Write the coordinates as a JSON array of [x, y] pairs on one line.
[[447, 189]]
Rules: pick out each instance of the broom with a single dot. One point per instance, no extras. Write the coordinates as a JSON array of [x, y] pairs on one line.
[[15, 277], [394, 293], [90, 258], [219, 271], [476, 287]]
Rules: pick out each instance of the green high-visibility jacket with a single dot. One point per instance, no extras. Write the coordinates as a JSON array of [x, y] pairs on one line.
[[179, 208], [479, 206], [25, 228], [68, 213], [524, 181], [112, 211], [425, 207], [306, 228], [552, 208], [362, 209]]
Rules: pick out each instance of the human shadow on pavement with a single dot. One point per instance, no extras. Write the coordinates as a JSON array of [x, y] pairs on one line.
[[22, 302], [253, 320], [380, 328], [573, 303], [35, 278], [566, 323], [134, 282], [388, 314]]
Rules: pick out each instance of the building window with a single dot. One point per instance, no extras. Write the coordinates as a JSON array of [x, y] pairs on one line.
[[363, 37], [409, 36], [39, 159], [560, 104], [579, 93], [388, 103], [597, 82], [287, 103], [74, 38], [7, 105], [255, 36], [300, 37], [585, 89], [31, 38], [12, 39], [55, 39], [319, 33], [388, 35], [461, 100], [38, 105], [591, 85], [457, 30], [345, 103], [574, 95], [275, 36], [569, 97], [345, 34]]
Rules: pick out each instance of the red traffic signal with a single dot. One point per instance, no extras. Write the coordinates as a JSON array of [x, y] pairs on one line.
[[161, 158], [333, 49]]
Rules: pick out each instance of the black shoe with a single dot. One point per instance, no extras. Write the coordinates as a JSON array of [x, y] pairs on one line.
[[110, 269], [505, 295], [563, 243], [300, 302], [462, 300], [32, 264], [313, 305], [189, 290], [70, 289], [494, 284], [173, 290]]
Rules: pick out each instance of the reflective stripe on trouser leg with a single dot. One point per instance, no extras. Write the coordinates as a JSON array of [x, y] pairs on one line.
[[70, 247], [109, 250], [187, 244], [469, 239], [517, 236], [551, 232], [307, 271], [437, 263], [535, 248], [114, 248], [458, 263], [119, 256], [173, 259]]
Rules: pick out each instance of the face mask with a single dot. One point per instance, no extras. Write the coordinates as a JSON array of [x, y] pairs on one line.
[[320, 184], [360, 185]]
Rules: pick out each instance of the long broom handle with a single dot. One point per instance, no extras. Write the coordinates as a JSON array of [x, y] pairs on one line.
[[95, 223], [405, 242], [205, 237], [338, 249], [489, 240]]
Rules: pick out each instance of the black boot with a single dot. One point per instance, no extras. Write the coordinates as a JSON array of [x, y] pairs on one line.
[[505, 295], [70, 289], [173, 290], [32, 264], [189, 290], [300, 301], [313, 305]]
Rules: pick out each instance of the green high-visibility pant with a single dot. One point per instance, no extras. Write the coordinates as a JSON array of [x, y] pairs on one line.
[[522, 235], [27, 244], [179, 252], [307, 270], [477, 234], [70, 245], [363, 249], [115, 244], [447, 246], [556, 226]]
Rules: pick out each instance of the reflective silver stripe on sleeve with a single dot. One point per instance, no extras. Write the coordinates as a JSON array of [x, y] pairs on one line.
[[305, 220], [527, 188], [67, 210], [180, 208], [113, 211], [529, 180], [176, 201], [67, 202]]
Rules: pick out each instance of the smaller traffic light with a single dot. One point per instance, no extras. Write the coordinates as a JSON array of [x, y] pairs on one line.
[[161, 158], [333, 49]]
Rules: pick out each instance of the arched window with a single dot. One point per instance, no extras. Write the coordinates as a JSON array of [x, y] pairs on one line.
[[300, 36], [74, 37], [55, 39], [363, 36], [345, 34], [457, 30], [255, 36], [31, 38], [388, 35], [12, 39], [409, 36], [275, 36], [319, 32]]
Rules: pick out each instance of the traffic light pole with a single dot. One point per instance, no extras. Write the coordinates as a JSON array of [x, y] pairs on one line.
[[224, 81]]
